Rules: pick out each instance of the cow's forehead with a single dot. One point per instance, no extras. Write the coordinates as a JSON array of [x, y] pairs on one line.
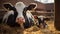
[[20, 4], [20, 7]]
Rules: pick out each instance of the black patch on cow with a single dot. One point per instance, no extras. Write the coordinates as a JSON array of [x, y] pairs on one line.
[[12, 17], [27, 23]]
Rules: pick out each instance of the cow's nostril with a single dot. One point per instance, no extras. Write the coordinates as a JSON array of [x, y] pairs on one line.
[[20, 20]]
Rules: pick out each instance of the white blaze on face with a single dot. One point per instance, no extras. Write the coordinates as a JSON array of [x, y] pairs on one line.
[[20, 6]]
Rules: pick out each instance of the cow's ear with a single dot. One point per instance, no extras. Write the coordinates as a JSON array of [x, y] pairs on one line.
[[7, 6]]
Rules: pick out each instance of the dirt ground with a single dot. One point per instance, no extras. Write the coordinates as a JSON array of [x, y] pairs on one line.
[[50, 29]]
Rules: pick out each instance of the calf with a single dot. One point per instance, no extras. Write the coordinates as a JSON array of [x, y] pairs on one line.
[[41, 20]]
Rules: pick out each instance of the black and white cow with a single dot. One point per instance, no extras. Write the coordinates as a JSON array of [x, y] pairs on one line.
[[13, 13], [41, 20]]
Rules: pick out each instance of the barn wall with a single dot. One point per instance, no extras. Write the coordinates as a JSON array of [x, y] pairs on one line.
[[57, 15]]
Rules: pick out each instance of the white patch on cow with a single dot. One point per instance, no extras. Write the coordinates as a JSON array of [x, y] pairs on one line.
[[7, 14], [28, 13], [20, 6], [41, 17]]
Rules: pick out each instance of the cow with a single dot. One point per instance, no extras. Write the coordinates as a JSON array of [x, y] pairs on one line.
[[13, 14], [41, 20]]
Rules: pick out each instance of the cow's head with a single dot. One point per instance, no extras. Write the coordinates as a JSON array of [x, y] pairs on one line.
[[19, 6]]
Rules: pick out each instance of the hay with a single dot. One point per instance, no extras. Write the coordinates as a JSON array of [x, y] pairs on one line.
[[5, 29]]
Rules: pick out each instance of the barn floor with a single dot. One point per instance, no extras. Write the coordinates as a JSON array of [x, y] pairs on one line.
[[4, 29]]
